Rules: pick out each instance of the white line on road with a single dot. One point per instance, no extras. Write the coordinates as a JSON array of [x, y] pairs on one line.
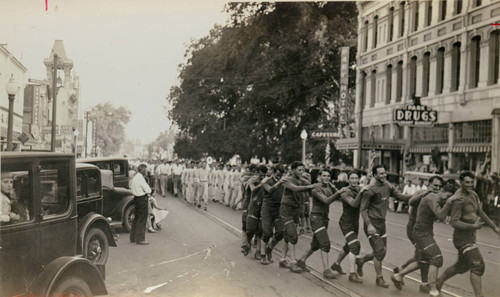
[[150, 289], [182, 258]]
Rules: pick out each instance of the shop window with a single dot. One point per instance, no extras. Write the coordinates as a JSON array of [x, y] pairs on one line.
[[391, 23], [473, 132], [440, 70], [430, 135], [455, 66], [388, 87], [494, 59], [474, 61], [425, 74]]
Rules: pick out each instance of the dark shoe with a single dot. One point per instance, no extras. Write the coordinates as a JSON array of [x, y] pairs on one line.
[[353, 277], [396, 270], [439, 285], [425, 288], [205, 208], [257, 255], [381, 283], [360, 264], [143, 243], [308, 230], [284, 263], [302, 264], [199, 205], [301, 231], [329, 274], [295, 268], [338, 268], [246, 249], [263, 260], [158, 226], [269, 253], [396, 282]]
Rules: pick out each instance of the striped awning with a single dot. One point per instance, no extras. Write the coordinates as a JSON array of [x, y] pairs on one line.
[[471, 149], [427, 149]]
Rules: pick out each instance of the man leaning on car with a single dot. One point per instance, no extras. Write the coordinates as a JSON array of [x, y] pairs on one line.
[[141, 191]]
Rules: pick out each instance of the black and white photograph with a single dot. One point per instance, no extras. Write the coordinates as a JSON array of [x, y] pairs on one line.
[[250, 149]]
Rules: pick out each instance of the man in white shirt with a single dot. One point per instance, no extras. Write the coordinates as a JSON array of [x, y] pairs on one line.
[[141, 191], [176, 175]]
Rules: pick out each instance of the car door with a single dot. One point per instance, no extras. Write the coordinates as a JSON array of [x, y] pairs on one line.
[[120, 174], [58, 225], [20, 235]]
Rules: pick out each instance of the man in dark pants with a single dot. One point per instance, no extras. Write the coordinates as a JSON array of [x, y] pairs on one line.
[[141, 191], [374, 204]]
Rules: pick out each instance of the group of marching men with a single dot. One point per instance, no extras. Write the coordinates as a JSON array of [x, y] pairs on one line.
[[274, 200]]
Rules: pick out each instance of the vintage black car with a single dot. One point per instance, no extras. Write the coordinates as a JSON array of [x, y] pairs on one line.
[[39, 229], [119, 167], [95, 233], [117, 201]]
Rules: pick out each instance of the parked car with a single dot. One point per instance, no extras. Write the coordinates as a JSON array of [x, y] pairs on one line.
[[39, 242], [95, 233], [117, 201], [119, 167]]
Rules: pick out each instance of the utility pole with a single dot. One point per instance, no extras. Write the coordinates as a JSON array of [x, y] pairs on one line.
[[54, 105], [86, 132]]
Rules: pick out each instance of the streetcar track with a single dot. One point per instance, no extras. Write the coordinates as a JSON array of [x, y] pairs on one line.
[[236, 231], [435, 233]]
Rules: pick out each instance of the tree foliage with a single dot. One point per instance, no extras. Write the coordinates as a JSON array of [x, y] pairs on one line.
[[251, 86], [110, 129]]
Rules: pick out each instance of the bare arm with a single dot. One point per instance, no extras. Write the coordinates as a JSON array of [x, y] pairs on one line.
[[353, 202], [415, 199], [487, 220], [439, 212], [294, 188], [318, 194]]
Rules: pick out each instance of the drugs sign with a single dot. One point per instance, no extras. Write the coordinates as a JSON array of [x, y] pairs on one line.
[[415, 115]]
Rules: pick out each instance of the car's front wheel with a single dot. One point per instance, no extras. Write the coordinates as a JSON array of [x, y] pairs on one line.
[[96, 247], [72, 286], [128, 217]]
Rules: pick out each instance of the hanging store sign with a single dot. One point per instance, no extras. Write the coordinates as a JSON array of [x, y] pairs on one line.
[[415, 115], [324, 134], [344, 81]]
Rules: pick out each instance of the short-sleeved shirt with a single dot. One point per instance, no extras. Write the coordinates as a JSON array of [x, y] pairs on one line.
[[318, 206], [290, 197], [274, 198]]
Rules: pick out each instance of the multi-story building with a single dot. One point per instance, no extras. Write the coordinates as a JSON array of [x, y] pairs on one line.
[[11, 67], [448, 54]]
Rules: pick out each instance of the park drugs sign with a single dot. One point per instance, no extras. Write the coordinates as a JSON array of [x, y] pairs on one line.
[[415, 115]]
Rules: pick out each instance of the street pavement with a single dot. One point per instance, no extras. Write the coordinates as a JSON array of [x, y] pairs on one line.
[[198, 254]]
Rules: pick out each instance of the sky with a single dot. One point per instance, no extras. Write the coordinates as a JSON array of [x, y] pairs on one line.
[[124, 51]]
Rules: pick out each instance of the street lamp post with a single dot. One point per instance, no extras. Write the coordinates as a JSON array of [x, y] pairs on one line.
[[76, 133], [303, 136], [54, 105], [11, 88]]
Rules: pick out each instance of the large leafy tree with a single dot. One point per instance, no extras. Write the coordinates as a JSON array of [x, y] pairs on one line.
[[252, 85], [110, 129]]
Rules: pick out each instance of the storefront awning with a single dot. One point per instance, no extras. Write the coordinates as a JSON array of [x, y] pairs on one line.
[[427, 149], [476, 148], [369, 143]]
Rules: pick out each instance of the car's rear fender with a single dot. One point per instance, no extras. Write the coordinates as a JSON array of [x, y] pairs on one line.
[[124, 202], [63, 267]]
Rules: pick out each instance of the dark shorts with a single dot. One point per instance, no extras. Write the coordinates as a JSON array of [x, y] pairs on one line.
[[319, 222], [289, 219], [427, 249], [469, 258], [270, 216], [378, 242]]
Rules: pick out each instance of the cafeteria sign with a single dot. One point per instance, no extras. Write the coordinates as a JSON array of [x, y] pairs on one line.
[[415, 115]]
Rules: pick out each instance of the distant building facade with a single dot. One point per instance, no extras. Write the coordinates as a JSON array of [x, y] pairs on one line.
[[447, 53], [10, 66]]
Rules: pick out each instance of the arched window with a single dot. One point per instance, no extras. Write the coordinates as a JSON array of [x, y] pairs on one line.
[[475, 56], [439, 70], [388, 86], [366, 37], [494, 59], [391, 23], [401, 19], [425, 74], [455, 66], [399, 73], [373, 88], [413, 76]]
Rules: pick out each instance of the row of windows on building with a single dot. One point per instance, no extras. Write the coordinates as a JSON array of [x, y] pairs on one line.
[[415, 8], [463, 133], [381, 93]]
